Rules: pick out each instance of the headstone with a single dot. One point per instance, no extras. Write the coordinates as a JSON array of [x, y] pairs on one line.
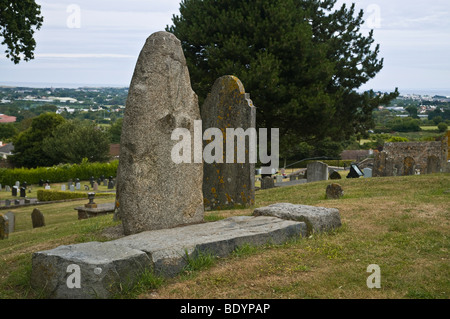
[[7, 188], [105, 182], [86, 187], [99, 181], [7, 202], [78, 186], [25, 184], [334, 191], [37, 218], [292, 177], [72, 188], [367, 172], [4, 227], [95, 187], [23, 192], [355, 172], [12, 221], [267, 182], [63, 187], [69, 182], [111, 184], [279, 179], [317, 171], [230, 182], [17, 202], [433, 165], [47, 187], [335, 175], [160, 99], [102, 177], [91, 181], [14, 191], [27, 201], [17, 184]]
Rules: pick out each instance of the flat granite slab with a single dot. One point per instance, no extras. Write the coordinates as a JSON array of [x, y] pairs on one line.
[[104, 266]]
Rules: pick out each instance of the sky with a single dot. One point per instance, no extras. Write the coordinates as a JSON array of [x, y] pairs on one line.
[[97, 42]]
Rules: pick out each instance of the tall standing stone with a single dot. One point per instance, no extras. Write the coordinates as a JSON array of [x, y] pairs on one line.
[[229, 183], [12, 221], [160, 99]]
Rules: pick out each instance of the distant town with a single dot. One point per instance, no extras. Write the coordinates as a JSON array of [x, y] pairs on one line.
[[106, 104]]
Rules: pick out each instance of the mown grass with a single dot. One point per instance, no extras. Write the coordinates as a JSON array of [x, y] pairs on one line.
[[401, 224]]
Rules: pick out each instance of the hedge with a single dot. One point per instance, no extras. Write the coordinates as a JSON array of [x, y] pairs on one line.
[[59, 173], [52, 195]]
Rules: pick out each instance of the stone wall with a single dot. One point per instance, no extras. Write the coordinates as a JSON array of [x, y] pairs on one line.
[[400, 159]]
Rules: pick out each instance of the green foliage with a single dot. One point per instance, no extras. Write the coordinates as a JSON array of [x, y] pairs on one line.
[[73, 141], [115, 131], [17, 20], [52, 195], [7, 131], [442, 127], [28, 150], [60, 173], [397, 139], [302, 62], [405, 125]]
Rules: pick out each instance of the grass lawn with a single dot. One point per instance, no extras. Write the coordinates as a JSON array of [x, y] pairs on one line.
[[401, 224]]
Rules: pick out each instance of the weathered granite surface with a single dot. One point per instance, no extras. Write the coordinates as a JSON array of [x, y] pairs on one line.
[[104, 266]]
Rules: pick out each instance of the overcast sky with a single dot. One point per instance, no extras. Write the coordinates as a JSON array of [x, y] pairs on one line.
[[97, 42]]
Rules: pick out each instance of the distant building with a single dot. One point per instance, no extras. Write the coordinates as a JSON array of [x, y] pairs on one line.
[[6, 150], [7, 119]]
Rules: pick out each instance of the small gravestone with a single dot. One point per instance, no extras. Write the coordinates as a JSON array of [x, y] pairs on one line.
[[14, 191], [23, 192], [95, 187], [4, 227], [63, 187], [25, 184], [105, 182], [367, 172], [47, 187], [72, 188], [37, 218], [91, 181], [279, 179], [267, 182], [7, 202], [17, 184], [99, 181], [17, 202], [69, 182], [335, 175], [86, 187], [27, 201], [334, 191], [292, 177], [317, 171], [78, 186], [12, 221], [355, 172], [111, 184], [7, 188]]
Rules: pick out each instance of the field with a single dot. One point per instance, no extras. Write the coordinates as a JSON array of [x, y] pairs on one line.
[[401, 224]]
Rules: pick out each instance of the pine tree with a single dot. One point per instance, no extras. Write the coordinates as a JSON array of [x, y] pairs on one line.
[[301, 60]]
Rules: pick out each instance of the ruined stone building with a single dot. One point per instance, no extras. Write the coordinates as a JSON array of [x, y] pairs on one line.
[[410, 158]]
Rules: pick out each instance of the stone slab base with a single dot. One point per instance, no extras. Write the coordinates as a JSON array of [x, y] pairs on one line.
[[96, 270]]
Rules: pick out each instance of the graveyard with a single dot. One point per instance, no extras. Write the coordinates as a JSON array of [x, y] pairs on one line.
[[208, 230], [410, 243]]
